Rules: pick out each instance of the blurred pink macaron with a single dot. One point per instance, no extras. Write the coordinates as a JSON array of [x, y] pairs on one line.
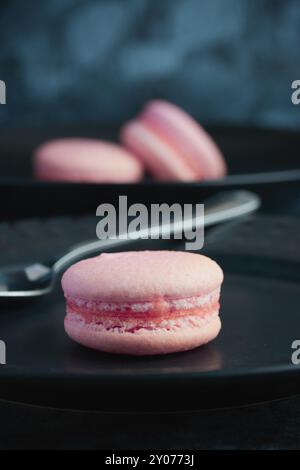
[[172, 145], [143, 303], [85, 160]]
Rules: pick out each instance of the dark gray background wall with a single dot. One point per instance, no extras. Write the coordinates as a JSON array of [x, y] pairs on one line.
[[225, 61]]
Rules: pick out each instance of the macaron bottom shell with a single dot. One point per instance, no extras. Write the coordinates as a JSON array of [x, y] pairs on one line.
[[144, 342]]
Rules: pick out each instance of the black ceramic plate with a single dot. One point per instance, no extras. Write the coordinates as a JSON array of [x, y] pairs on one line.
[[250, 361], [265, 161], [249, 152]]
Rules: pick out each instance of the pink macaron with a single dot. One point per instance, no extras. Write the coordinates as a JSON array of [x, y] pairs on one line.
[[172, 145], [86, 160], [142, 303]]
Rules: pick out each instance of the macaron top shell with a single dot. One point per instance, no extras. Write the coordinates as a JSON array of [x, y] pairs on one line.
[[91, 160], [142, 276]]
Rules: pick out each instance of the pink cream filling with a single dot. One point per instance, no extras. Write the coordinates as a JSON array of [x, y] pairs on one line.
[[162, 313]]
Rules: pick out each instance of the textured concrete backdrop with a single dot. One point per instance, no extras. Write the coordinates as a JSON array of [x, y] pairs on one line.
[[227, 61]]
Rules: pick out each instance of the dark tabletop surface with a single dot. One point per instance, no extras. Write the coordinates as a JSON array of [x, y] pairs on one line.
[[274, 425]]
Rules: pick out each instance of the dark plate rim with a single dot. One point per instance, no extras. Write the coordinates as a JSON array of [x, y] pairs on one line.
[[231, 180], [16, 373]]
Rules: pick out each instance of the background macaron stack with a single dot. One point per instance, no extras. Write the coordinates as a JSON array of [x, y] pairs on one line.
[[162, 140], [172, 145]]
